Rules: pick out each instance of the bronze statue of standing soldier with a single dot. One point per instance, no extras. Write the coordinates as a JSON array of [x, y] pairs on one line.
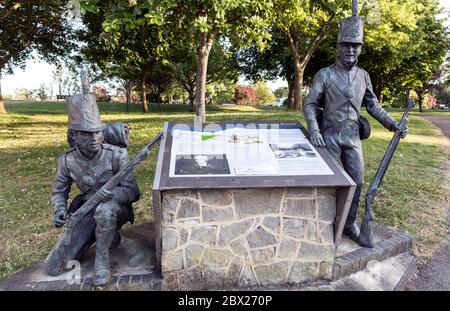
[[341, 90], [90, 164]]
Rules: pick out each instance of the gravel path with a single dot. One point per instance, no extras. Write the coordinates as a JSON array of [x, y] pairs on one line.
[[435, 274]]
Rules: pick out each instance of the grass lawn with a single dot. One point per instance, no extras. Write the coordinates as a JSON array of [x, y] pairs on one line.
[[434, 112], [413, 195]]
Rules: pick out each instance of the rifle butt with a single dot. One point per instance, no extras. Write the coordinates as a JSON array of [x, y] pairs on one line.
[[366, 234]]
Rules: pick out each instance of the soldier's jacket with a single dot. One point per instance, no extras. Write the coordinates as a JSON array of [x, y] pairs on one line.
[[341, 91], [91, 174]]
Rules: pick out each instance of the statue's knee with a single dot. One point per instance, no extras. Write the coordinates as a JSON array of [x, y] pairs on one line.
[[106, 214]]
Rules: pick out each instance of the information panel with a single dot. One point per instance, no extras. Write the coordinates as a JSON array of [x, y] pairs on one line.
[[272, 150]]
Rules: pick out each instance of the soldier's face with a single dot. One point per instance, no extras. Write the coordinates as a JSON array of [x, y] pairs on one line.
[[349, 52], [89, 142]]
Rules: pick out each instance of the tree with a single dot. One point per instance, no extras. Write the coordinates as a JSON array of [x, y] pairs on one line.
[[57, 73], [199, 24], [41, 92], [106, 61], [159, 81], [424, 68], [443, 96], [222, 66], [2, 106], [175, 94], [222, 91], [391, 41], [276, 61], [121, 43], [32, 25], [310, 28], [213, 19], [264, 95], [281, 92], [183, 64], [305, 24]]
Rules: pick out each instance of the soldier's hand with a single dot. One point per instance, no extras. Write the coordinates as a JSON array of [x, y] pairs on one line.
[[404, 131], [316, 139], [105, 195], [60, 218]]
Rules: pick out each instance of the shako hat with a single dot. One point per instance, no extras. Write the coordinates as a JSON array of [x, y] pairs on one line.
[[82, 109], [351, 30]]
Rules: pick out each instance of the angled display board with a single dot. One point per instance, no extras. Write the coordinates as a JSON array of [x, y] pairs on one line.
[[256, 154], [239, 150]]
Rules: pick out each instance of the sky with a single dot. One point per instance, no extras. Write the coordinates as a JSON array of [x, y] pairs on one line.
[[39, 72]]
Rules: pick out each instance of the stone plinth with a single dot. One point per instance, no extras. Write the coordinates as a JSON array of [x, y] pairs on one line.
[[246, 237]]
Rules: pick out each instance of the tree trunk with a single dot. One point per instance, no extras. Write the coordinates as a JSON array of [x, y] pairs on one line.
[[379, 93], [189, 87], [143, 88], [298, 70], [191, 100], [59, 86], [204, 47], [158, 103], [291, 84], [128, 94], [2, 106], [298, 85], [420, 95]]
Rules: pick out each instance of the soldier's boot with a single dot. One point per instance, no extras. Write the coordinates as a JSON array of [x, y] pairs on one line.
[[104, 238], [350, 228], [352, 231]]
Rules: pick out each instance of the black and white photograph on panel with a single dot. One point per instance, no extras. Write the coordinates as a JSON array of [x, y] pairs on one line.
[[201, 164], [285, 151]]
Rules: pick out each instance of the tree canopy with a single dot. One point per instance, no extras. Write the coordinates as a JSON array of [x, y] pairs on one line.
[[393, 38], [127, 50], [305, 25], [404, 41], [197, 23], [151, 44], [32, 25]]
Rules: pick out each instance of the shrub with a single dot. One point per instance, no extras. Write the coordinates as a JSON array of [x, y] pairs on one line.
[[263, 94], [245, 95]]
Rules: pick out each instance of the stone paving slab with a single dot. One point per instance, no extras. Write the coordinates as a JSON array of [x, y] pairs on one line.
[[132, 267], [389, 242], [386, 275]]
